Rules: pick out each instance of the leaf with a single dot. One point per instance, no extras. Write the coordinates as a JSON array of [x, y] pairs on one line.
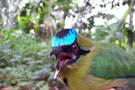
[[51, 74], [8, 69], [7, 51], [46, 87], [6, 45], [17, 56], [107, 38], [120, 36], [23, 83], [13, 60], [27, 59]]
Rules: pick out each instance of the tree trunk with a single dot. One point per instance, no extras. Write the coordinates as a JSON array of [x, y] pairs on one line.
[[130, 33]]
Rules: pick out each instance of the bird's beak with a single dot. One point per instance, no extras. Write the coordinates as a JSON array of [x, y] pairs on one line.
[[54, 51], [62, 59], [56, 73]]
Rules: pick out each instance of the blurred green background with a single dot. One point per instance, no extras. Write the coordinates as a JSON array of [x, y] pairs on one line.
[[27, 28]]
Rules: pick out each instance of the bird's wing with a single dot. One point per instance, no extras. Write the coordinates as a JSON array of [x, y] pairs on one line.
[[111, 61]]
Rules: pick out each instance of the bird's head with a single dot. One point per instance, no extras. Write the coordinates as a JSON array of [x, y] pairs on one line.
[[66, 49]]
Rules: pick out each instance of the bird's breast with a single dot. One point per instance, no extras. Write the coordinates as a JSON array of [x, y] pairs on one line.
[[74, 76]]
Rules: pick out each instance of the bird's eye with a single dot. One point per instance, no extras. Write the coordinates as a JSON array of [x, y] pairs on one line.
[[74, 48]]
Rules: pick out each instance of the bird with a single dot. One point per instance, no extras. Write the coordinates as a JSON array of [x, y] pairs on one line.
[[86, 65]]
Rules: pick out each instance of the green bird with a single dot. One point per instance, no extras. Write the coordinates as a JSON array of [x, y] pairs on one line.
[[86, 65]]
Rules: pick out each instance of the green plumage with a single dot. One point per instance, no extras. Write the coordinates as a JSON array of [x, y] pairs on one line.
[[110, 61], [105, 66]]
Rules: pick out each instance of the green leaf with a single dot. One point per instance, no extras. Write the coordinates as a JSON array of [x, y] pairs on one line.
[[7, 51], [46, 87], [23, 83]]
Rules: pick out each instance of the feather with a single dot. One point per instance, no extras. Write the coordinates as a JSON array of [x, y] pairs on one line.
[[67, 37]]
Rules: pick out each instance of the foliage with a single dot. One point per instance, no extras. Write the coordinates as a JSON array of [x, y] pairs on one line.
[[23, 59]]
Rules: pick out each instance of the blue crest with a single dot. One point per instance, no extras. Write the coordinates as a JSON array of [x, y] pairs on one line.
[[64, 37]]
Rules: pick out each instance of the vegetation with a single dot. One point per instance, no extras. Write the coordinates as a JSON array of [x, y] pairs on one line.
[[27, 29]]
